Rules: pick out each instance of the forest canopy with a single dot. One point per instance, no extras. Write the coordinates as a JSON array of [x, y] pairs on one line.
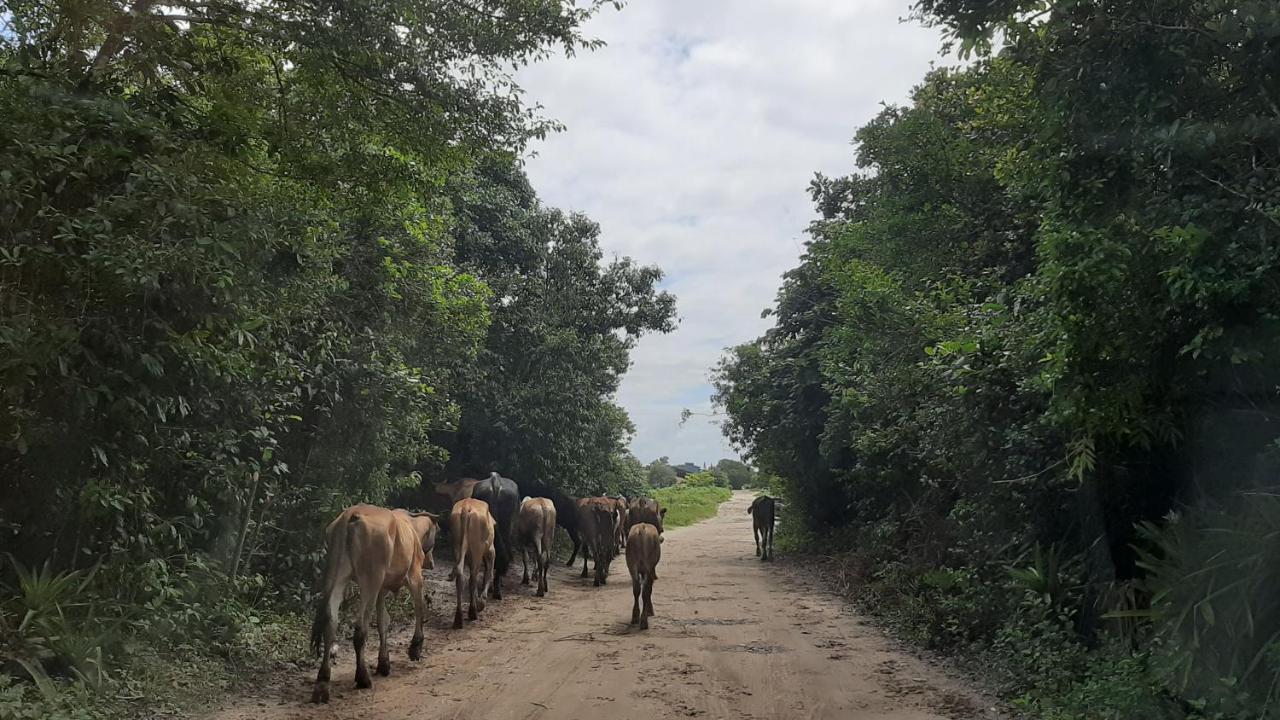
[[1033, 341], [259, 261]]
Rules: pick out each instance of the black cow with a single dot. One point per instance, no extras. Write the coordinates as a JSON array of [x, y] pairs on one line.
[[503, 496], [762, 512], [566, 514]]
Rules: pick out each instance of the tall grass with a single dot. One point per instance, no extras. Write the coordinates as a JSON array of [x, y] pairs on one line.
[[687, 504]]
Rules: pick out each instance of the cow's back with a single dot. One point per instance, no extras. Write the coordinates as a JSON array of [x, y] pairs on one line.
[[645, 510], [763, 511], [377, 540], [471, 527], [644, 548], [535, 515]]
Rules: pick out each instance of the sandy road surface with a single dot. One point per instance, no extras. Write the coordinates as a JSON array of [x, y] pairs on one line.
[[732, 638]]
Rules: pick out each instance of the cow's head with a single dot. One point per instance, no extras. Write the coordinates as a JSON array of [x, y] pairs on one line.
[[426, 525]]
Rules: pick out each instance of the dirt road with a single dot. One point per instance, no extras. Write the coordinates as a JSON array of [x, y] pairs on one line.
[[732, 638]]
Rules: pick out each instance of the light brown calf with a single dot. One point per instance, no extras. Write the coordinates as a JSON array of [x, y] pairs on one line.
[[535, 528], [644, 549], [472, 528], [383, 550]]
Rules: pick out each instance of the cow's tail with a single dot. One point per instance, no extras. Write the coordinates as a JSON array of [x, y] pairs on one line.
[[461, 562], [334, 548], [319, 624]]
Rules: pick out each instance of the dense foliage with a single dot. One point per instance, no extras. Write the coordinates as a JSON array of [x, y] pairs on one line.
[[1027, 366], [260, 260]]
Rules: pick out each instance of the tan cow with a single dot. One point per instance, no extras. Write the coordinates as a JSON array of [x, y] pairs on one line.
[[620, 525], [535, 529], [383, 550], [445, 494], [644, 549], [472, 528], [596, 518]]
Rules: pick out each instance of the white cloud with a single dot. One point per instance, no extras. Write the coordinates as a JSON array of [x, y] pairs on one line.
[[691, 138]]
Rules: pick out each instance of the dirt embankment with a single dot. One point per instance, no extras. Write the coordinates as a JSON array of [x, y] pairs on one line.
[[732, 637]]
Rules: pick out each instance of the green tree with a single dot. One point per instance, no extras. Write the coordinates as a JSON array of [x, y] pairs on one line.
[[660, 473], [242, 285], [537, 400], [738, 474], [1042, 314]]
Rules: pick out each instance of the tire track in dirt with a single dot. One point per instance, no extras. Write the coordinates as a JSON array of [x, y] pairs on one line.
[[732, 637]]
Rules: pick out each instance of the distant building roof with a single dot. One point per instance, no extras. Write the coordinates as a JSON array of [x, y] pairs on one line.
[[687, 469]]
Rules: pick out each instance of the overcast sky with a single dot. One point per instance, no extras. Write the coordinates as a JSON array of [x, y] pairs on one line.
[[691, 138]]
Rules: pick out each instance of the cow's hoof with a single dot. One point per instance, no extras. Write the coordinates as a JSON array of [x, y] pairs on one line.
[[540, 592], [363, 681], [320, 694], [644, 623], [384, 667], [596, 583], [635, 617], [415, 649], [457, 620], [472, 614], [524, 580]]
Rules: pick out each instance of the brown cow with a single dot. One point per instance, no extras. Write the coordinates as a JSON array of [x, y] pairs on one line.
[[762, 512], [620, 525], [472, 528], [596, 517], [645, 510], [644, 549], [535, 529], [448, 493], [384, 550]]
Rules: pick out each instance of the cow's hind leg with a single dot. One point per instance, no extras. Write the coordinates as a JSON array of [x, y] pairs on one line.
[[599, 573], [755, 531], [360, 635], [328, 613], [524, 562], [460, 585], [419, 615], [648, 601], [489, 576], [635, 597], [573, 536], [472, 595], [384, 619], [539, 567]]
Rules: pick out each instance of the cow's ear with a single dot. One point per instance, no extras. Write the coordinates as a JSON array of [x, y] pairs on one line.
[[662, 512]]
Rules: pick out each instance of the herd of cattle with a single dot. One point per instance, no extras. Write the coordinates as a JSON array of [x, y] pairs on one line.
[[384, 550]]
